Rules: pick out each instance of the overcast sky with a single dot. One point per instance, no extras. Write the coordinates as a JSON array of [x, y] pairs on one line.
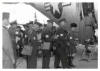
[[23, 13]]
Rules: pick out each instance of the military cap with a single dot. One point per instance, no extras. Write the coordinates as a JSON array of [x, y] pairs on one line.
[[18, 27], [50, 21], [38, 23], [31, 22], [26, 25], [13, 23]]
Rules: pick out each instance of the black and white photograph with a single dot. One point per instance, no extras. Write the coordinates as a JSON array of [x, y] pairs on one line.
[[49, 35]]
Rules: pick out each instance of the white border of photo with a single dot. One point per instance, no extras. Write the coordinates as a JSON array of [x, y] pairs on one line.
[[96, 1]]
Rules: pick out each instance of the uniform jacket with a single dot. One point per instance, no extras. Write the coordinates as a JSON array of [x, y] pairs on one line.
[[33, 38], [61, 42], [47, 36], [72, 45]]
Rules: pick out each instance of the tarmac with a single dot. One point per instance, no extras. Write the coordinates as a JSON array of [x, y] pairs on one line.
[[79, 63]]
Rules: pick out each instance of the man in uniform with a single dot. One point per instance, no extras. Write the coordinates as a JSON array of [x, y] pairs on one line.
[[72, 51], [12, 30], [47, 39], [19, 40], [61, 51], [32, 60], [72, 44], [61, 44]]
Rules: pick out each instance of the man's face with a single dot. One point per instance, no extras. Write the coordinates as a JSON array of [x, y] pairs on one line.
[[35, 27], [18, 29], [62, 23], [49, 24], [30, 26], [73, 28], [14, 26], [26, 28]]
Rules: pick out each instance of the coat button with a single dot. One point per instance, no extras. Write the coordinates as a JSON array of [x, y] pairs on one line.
[[61, 34], [47, 36]]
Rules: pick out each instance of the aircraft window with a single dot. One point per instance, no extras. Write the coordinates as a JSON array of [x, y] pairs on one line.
[[73, 25], [87, 8]]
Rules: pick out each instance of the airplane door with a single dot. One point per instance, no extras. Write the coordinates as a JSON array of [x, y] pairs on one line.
[[85, 30]]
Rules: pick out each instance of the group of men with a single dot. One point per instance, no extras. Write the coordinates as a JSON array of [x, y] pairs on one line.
[[57, 41], [62, 45]]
